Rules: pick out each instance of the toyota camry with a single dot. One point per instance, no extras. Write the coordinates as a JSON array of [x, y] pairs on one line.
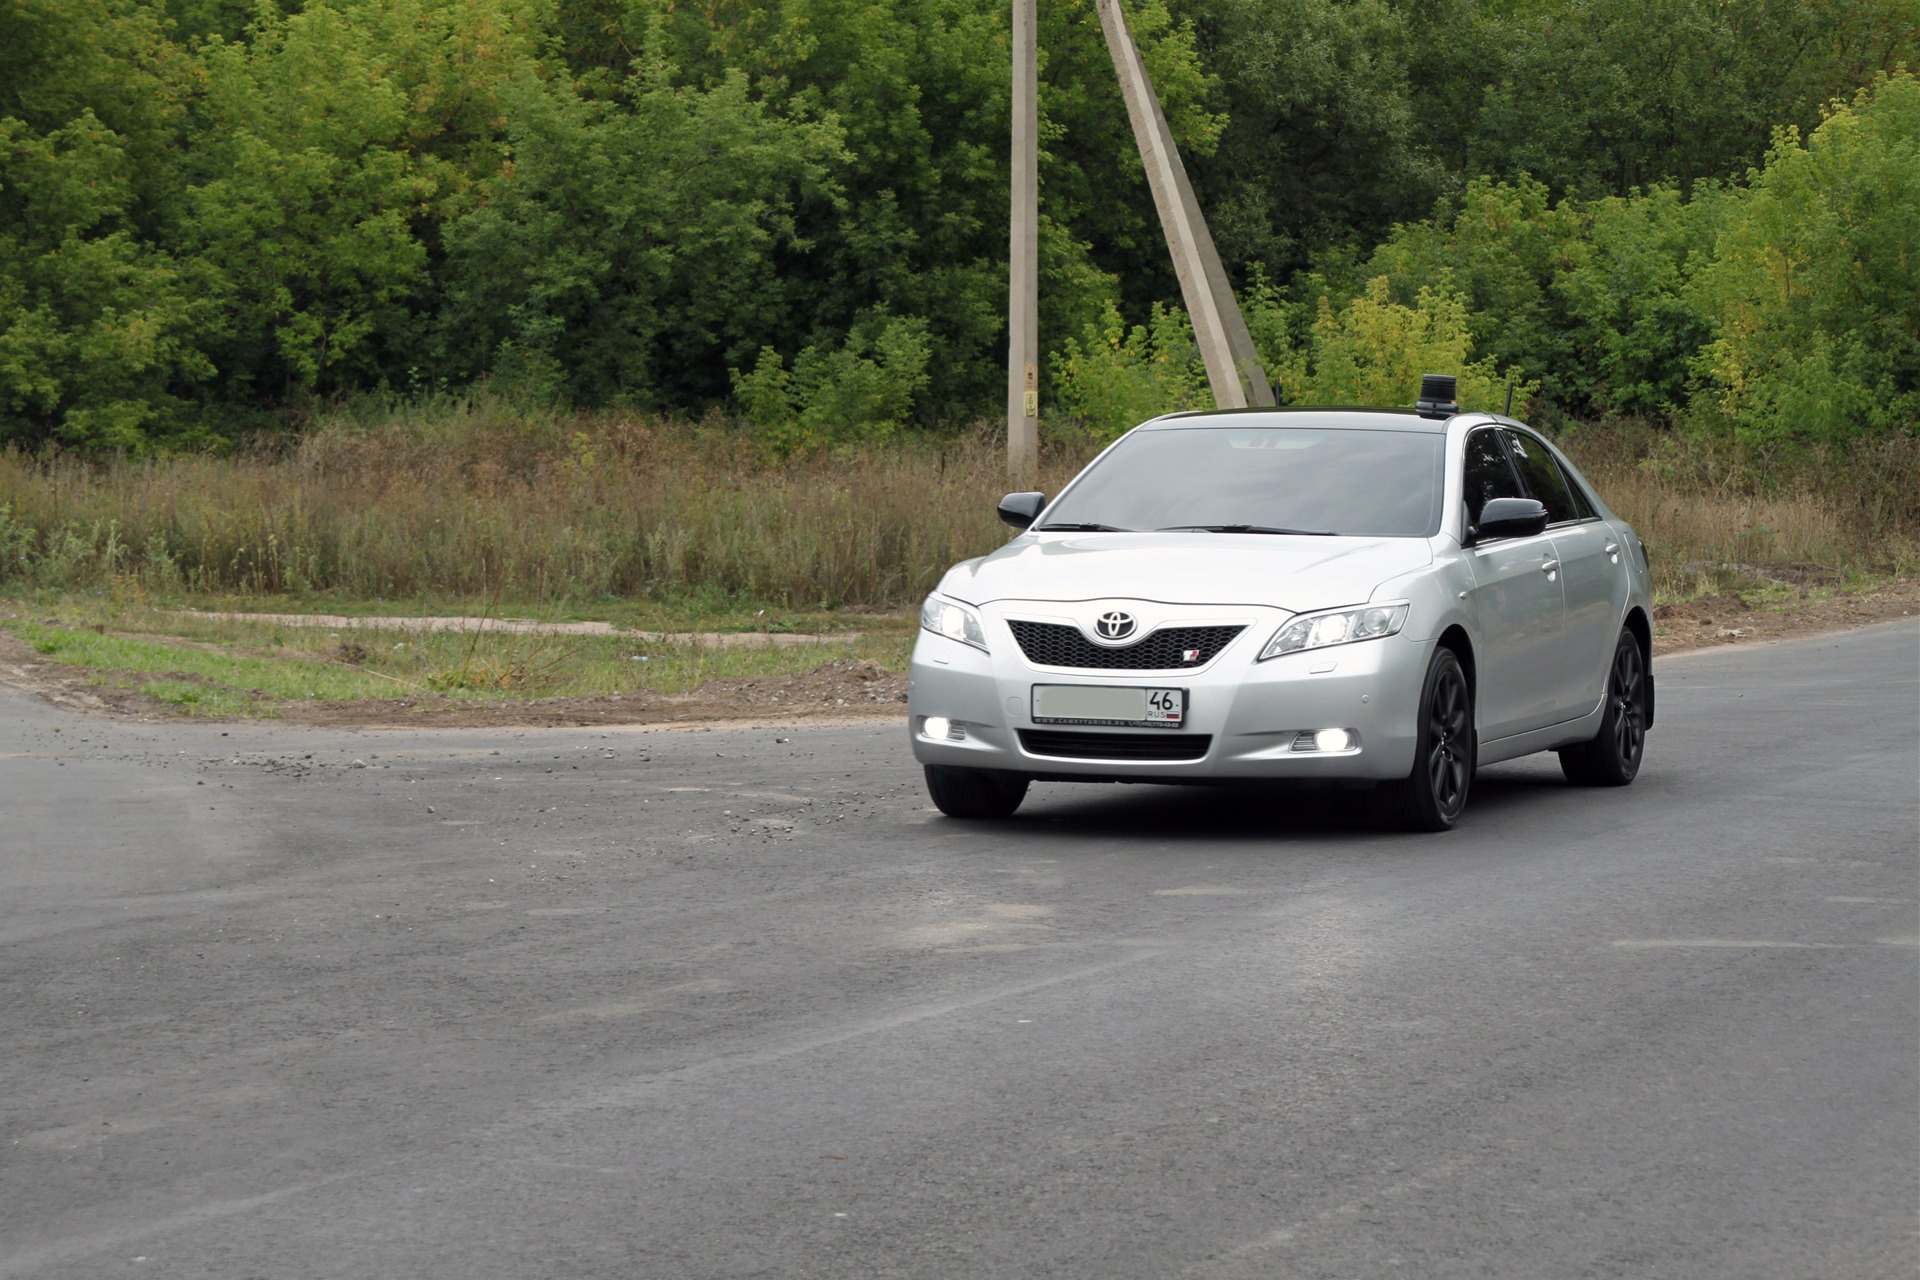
[[1380, 598]]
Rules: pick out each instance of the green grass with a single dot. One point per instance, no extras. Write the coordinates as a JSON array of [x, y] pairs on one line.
[[228, 668], [678, 614]]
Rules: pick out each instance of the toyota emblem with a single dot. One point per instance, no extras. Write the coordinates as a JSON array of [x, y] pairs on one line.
[[1115, 625]]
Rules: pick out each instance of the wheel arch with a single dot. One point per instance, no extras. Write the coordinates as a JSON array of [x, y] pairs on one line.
[[1642, 631], [1455, 638]]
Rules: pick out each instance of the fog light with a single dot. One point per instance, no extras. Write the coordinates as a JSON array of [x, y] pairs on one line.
[[935, 726], [1325, 740]]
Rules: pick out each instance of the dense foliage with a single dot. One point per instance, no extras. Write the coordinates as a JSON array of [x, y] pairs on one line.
[[216, 215]]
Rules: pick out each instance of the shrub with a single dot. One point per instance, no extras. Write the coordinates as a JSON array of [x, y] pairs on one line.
[[862, 390], [1373, 351], [1115, 377]]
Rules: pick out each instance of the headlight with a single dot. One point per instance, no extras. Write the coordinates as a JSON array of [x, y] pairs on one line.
[[1338, 626], [954, 621]]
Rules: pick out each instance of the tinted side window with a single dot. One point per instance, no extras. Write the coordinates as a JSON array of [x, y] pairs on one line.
[[1488, 475], [1581, 502], [1542, 475]]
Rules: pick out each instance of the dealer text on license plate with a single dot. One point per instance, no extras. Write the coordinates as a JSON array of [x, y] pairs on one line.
[[1099, 704]]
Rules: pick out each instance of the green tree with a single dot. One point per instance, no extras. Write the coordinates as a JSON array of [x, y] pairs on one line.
[[1499, 250], [328, 150], [634, 247], [99, 330], [1337, 113], [1816, 281], [1633, 324], [1602, 96], [920, 92]]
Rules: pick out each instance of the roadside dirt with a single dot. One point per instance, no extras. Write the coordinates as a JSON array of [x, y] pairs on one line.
[[844, 687], [1714, 621], [526, 627], [849, 688]]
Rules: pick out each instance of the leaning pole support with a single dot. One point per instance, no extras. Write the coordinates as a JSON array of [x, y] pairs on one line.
[[1226, 347]]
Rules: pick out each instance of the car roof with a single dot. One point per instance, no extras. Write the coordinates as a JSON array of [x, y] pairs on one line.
[[1341, 418]]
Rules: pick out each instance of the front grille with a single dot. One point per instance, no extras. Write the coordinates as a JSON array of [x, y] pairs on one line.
[[1116, 746], [1049, 644]]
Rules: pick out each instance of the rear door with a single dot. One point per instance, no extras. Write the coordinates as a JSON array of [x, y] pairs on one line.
[[1518, 603], [1592, 576]]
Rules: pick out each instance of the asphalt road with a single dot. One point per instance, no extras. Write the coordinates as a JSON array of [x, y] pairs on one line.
[[737, 1003]]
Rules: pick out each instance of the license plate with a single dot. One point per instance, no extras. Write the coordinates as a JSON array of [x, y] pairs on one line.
[[1100, 704]]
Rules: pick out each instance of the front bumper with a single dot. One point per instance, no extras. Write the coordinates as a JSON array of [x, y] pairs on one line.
[[1249, 714]]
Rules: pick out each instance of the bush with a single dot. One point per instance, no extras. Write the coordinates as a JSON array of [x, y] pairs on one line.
[[861, 391], [1373, 351], [1816, 281], [1115, 377]]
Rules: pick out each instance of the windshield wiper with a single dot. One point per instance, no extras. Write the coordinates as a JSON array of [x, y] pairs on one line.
[[1083, 528], [1246, 528]]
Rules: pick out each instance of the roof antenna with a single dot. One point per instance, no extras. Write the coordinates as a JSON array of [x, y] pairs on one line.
[[1508, 411]]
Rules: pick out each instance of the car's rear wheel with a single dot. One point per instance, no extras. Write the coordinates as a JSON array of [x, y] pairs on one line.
[[1612, 758], [1433, 795], [975, 793]]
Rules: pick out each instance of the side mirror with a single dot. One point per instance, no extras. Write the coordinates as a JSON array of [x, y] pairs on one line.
[[1020, 509], [1508, 518]]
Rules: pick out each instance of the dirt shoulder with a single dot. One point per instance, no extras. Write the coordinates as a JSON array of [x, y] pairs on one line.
[[853, 688], [845, 687], [1717, 621], [841, 688], [465, 623]]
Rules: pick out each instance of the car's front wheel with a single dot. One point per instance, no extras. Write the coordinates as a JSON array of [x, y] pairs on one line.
[[1612, 758], [975, 793], [1432, 796]]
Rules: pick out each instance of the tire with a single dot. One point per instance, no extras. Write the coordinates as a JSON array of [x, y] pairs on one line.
[[1612, 758], [975, 793], [1432, 796]]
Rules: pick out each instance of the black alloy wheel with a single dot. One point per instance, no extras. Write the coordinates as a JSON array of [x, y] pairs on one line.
[[975, 793], [1612, 758], [1433, 795]]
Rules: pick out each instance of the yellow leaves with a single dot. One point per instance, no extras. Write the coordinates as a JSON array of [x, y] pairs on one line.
[[1374, 350]]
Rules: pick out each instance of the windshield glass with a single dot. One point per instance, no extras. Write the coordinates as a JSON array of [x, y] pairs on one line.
[[1305, 479]]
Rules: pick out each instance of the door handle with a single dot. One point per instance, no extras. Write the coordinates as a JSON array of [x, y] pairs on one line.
[[1549, 566], [1613, 552]]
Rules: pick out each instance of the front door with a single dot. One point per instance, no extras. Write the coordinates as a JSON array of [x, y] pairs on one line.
[[1519, 604]]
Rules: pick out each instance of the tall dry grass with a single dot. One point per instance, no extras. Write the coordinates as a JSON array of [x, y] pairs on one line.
[[476, 498], [1712, 516]]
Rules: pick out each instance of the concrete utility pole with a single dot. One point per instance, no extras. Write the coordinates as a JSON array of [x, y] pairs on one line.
[[1226, 347], [1023, 293]]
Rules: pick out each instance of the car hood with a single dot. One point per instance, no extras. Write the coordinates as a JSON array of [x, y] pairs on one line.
[[1292, 573]]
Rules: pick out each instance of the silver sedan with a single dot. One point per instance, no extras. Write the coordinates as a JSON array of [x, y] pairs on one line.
[[1384, 598]]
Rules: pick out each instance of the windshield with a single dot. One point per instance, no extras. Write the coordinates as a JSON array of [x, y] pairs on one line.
[[1308, 480]]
